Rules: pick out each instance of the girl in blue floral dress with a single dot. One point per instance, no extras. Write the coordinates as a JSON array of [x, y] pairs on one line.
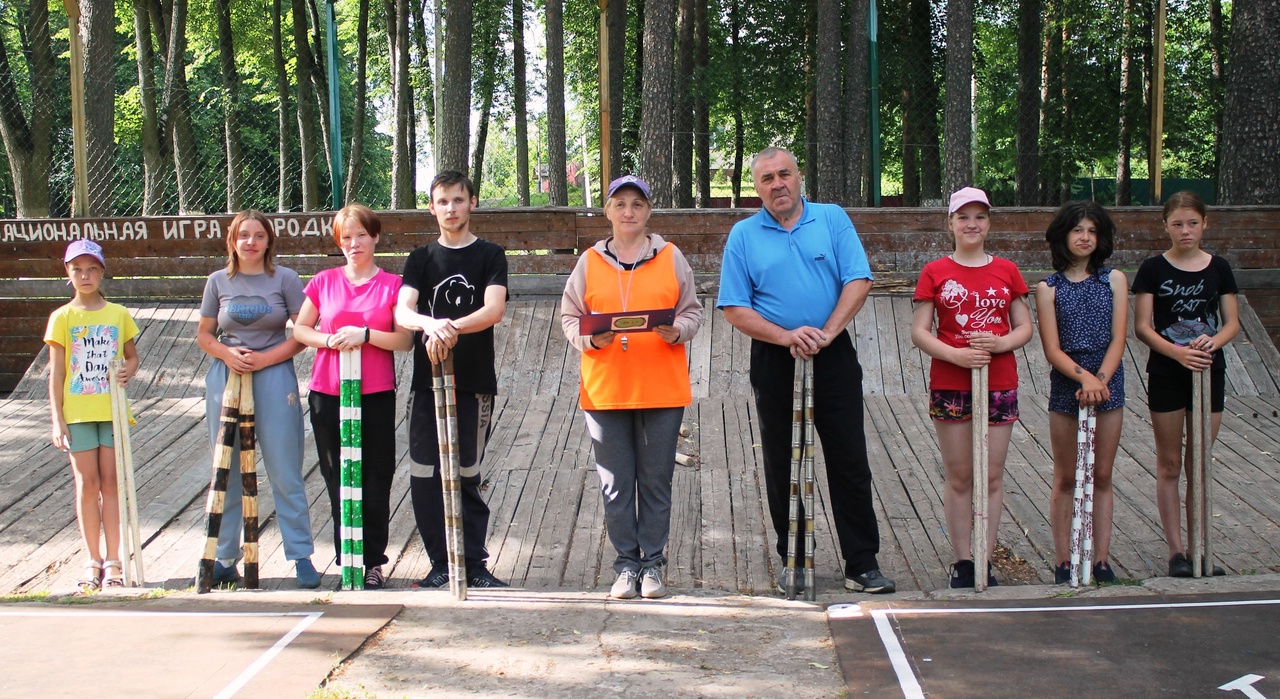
[[1083, 315]]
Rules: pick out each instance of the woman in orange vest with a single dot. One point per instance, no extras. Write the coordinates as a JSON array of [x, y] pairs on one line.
[[635, 378]]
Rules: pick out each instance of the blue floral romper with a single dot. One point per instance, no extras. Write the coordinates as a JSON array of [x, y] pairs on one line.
[[1084, 311]]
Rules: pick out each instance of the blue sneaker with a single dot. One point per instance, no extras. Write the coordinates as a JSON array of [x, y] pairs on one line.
[[225, 575], [307, 575]]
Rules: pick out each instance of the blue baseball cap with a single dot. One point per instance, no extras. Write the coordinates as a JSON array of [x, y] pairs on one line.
[[629, 181]]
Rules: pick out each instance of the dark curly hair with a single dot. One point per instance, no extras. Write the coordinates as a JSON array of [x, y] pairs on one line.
[[1071, 214]]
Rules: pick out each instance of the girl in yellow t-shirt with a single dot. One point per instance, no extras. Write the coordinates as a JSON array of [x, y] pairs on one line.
[[85, 337]]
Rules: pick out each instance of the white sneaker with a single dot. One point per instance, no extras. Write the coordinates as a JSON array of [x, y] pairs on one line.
[[625, 586], [651, 584]]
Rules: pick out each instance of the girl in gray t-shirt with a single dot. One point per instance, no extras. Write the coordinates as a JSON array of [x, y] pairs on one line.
[[242, 327]]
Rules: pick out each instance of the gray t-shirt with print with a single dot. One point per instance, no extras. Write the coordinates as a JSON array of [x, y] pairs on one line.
[[252, 309]]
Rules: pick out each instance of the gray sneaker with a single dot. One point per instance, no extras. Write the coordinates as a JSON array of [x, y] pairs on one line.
[[651, 584], [625, 586], [871, 581]]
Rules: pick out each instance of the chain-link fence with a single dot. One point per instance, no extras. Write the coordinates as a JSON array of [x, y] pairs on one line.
[[1081, 101]]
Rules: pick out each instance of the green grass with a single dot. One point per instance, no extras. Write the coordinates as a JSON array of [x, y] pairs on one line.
[[25, 597]]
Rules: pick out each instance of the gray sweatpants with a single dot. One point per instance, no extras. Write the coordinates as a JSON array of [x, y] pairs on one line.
[[635, 454]]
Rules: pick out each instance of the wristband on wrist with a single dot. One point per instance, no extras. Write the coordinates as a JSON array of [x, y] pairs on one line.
[[366, 333], [328, 341], [591, 340]]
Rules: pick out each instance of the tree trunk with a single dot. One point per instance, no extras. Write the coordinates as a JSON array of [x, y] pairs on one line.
[[355, 162], [520, 98], [1052, 126], [914, 38], [1217, 47], [701, 110], [320, 81], [230, 108], [488, 48], [682, 114], [178, 102], [615, 20], [307, 140], [828, 171], [284, 193], [97, 32], [655, 112], [555, 104], [735, 28], [856, 106], [27, 141], [1251, 121], [631, 131], [810, 107], [423, 77], [402, 155], [153, 151], [959, 111], [1124, 154], [1027, 142], [454, 123]]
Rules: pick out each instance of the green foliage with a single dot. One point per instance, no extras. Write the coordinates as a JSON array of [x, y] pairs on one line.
[[758, 75]]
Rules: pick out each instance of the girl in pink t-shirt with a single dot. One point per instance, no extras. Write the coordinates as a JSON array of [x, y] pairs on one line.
[[979, 301], [348, 307]]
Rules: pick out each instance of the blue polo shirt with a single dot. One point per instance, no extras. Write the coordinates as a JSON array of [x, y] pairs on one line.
[[792, 278]]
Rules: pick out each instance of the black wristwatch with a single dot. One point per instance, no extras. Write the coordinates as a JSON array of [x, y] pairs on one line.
[[366, 333]]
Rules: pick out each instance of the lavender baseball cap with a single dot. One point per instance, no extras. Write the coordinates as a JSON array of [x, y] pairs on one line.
[[629, 181], [84, 247], [968, 195]]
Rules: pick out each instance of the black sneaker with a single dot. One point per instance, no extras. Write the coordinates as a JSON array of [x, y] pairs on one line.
[[782, 581], [1062, 573], [962, 574], [991, 575], [437, 578], [1102, 573], [481, 577], [871, 581], [373, 578], [1179, 566]]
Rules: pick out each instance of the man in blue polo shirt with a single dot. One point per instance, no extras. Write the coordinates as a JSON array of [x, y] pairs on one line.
[[794, 275]]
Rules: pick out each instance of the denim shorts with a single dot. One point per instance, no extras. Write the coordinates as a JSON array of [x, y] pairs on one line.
[[957, 406]]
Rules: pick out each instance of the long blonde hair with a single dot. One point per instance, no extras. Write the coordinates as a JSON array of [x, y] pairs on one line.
[[233, 232]]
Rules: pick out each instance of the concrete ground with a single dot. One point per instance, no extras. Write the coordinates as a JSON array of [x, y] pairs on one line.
[[551, 643]]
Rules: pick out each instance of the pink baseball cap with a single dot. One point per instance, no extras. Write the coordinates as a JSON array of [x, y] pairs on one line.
[[84, 247], [968, 195]]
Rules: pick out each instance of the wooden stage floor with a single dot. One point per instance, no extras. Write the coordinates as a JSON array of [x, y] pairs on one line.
[[547, 529]]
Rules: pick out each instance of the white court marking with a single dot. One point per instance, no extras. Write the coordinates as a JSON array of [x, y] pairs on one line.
[[307, 619], [910, 684]]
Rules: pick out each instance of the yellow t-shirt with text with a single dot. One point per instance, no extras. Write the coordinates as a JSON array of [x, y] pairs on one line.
[[92, 340]]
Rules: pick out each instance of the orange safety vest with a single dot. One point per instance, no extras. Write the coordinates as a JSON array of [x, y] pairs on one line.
[[650, 373]]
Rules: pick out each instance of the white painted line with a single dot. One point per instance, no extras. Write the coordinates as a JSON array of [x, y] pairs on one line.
[[910, 684], [901, 664], [119, 613], [308, 618], [238, 683], [1078, 608]]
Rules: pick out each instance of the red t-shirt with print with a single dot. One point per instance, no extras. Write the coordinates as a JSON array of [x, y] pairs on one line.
[[968, 300]]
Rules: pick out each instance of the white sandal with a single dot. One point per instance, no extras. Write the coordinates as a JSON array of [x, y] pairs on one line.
[[91, 579], [109, 579]]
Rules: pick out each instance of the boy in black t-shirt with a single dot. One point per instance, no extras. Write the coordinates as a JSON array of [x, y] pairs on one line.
[[455, 291]]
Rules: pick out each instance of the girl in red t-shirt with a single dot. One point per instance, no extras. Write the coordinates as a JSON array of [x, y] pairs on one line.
[[980, 305]]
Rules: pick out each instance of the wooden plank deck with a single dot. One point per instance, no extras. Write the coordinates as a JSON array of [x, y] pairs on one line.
[[547, 526]]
